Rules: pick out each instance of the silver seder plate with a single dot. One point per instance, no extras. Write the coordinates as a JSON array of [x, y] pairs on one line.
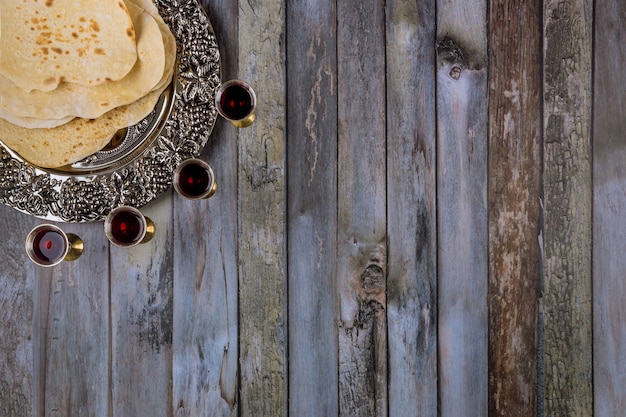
[[137, 165]]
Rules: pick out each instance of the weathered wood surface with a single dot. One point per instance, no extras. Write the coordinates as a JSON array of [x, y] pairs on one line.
[[362, 217], [205, 346], [141, 288], [19, 321], [515, 135], [406, 230], [411, 209], [609, 207], [567, 208], [261, 208], [462, 206], [76, 317], [312, 208]]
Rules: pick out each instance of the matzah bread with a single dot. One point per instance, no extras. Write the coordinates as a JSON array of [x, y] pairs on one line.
[[169, 46], [70, 99], [76, 140], [72, 139], [45, 42]]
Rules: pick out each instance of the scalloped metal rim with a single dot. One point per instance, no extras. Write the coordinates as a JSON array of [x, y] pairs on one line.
[[62, 197]]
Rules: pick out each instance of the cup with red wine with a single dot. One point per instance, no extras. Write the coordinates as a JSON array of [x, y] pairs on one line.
[[47, 245], [194, 179], [126, 226], [236, 101]]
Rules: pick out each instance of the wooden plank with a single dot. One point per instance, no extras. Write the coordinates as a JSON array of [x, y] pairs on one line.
[[40, 316], [312, 207], [462, 158], [77, 330], [262, 264], [567, 304], [411, 202], [609, 201], [40, 338], [205, 348], [205, 294], [19, 373], [361, 233], [141, 320], [515, 122]]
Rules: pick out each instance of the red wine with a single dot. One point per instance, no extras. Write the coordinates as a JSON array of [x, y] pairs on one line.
[[49, 246], [194, 180], [236, 101], [127, 228]]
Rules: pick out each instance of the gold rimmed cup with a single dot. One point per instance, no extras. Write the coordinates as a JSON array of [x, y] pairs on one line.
[[236, 102], [126, 226], [47, 245], [194, 179]]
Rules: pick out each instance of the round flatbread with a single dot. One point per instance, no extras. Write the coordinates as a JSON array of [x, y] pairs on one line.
[[45, 42], [73, 141], [33, 123], [169, 42], [90, 102], [78, 138]]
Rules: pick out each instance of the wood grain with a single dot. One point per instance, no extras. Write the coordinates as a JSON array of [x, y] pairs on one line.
[[312, 207], [411, 205], [515, 133], [609, 203], [567, 210], [262, 264], [205, 300], [462, 157], [205, 346], [377, 256], [77, 330], [361, 224], [41, 297], [19, 278], [141, 320]]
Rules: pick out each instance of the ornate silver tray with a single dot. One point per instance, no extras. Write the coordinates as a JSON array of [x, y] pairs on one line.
[[137, 166]]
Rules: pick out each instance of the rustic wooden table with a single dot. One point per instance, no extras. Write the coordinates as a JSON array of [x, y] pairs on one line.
[[407, 229]]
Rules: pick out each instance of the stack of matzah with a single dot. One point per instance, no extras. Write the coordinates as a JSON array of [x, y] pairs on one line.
[[73, 73]]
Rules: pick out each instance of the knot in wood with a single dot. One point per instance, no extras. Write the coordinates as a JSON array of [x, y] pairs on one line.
[[373, 280], [448, 51], [455, 72]]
